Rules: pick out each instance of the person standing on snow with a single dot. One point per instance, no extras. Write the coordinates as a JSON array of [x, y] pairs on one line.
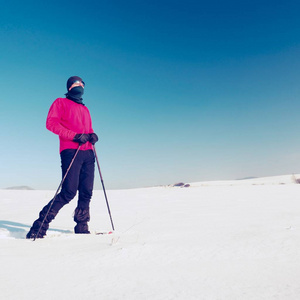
[[70, 119]]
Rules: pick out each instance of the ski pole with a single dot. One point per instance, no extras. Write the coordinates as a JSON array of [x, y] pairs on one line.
[[112, 224], [61, 183]]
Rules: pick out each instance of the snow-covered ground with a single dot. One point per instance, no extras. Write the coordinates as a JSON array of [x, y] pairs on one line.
[[214, 240]]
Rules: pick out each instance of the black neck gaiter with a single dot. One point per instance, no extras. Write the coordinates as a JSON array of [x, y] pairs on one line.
[[75, 94]]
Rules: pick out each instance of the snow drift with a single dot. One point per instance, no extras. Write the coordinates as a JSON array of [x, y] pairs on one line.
[[212, 240]]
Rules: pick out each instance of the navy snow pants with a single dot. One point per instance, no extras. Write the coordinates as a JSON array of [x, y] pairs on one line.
[[79, 178]]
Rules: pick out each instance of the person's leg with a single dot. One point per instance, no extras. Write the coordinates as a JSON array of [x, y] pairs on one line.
[[86, 184], [68, 192]]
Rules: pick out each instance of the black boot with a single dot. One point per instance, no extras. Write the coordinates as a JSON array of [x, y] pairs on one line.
[[82, 228], [81, 217], [32, 234]]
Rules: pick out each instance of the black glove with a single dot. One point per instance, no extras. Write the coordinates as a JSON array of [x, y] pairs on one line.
[[81, 138], [93, 138]]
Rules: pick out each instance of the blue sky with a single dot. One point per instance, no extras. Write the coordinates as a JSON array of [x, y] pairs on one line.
[[178, 90]]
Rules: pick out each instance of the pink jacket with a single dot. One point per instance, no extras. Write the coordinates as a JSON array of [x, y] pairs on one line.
[[67, 118]]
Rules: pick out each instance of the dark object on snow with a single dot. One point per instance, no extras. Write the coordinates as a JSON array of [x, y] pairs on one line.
[[180, 184]]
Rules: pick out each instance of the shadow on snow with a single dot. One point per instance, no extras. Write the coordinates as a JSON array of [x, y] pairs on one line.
[[18, 230]]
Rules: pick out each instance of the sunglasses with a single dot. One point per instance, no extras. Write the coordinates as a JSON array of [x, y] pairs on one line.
[[76, 83], [79, 82]]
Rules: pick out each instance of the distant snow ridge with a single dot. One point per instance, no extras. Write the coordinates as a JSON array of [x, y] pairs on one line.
[[22, 187], [273, 180]]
